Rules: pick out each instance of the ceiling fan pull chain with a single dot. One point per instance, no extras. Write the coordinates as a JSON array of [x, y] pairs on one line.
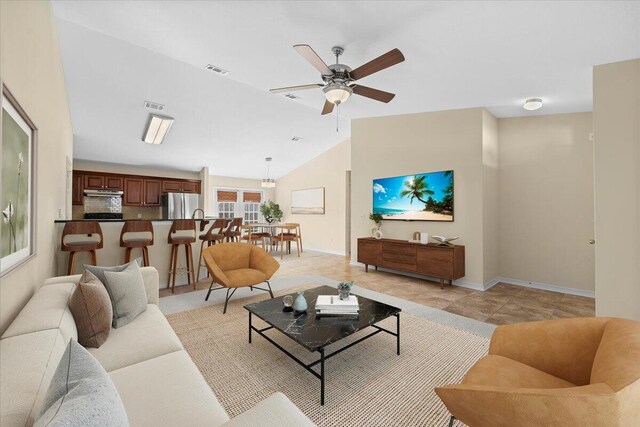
[[337, 118]]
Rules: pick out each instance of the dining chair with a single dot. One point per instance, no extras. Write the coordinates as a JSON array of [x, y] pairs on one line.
[[247, 234], [288, 233]]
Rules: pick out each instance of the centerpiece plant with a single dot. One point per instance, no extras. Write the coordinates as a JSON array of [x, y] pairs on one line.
[[271, 211]]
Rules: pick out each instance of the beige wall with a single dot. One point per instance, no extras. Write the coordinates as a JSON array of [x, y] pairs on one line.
[[415, 143], [546, 200], [616, 125], [490, 214], [90, 165], [30, 65], [326, 232]]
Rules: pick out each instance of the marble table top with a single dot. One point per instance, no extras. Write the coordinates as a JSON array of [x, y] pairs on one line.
[[314, 332]]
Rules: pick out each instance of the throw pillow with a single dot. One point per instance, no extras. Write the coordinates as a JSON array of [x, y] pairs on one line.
[[91, 308], [127, 293], [99, 271], [81, 394]]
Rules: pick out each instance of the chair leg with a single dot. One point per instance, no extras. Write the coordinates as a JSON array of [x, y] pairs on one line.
[[145, 256], [170, 267], [451, 420], [175, 268], [210, 289], [226, 301], [269, 286], [200, 260], [282, 249], [298, 248], [186, 256], [72, 256], [94, 258], [193, 270]]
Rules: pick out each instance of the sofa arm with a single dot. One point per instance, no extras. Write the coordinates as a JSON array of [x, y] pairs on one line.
[[593, 405], [564, 348], [274, 411], [151, 284]]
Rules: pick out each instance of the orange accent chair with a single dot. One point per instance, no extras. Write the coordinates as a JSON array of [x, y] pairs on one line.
[[569, 372], [236, 265]]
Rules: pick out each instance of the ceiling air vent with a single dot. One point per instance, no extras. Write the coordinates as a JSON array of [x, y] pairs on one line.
[[215, 69], [297, 138], [153, 105], [291, 96]]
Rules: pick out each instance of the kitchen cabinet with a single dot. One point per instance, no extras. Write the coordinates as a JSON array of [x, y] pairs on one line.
[[141, 192], [177, 186], [77, 189], [103, 182]]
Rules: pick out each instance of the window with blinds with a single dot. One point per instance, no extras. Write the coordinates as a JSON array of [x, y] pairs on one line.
[[240, 203]]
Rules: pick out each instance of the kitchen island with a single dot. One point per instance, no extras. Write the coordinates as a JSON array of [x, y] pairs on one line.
[[113, 254]]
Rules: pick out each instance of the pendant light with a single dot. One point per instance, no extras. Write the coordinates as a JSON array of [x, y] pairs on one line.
[[268, 182]]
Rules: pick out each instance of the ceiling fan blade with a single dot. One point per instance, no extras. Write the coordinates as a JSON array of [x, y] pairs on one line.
[[390, 58], [328, 107], [310, 55], [292, 88], [369, 92]]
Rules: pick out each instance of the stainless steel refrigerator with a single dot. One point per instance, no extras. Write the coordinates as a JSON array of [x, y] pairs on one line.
[[179, 205]]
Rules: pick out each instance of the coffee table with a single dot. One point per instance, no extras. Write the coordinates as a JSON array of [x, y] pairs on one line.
[[316, 333]]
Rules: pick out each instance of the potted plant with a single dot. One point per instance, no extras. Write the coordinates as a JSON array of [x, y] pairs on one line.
[[344, 289], [271, 211], [376, 232]]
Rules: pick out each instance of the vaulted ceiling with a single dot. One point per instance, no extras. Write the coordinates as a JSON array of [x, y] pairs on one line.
[[118, 54]]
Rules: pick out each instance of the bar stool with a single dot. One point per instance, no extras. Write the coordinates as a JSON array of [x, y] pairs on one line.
[[232, 233], [87, 229], [214, 235], [138, 241], [187, 236]]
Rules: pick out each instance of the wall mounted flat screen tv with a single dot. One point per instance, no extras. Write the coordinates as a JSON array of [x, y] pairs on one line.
[[421, 197]]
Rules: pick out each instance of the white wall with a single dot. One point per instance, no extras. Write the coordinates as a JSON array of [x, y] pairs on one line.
[[490, 210], [546, 200], [30, 65], [320, 232], [416, 143], [616, 125]]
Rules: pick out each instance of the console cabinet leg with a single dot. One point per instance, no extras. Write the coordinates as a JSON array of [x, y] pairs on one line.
[[441, 283], [366, 268]]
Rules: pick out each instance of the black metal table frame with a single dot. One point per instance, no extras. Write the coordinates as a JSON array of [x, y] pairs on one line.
[[323, 357]]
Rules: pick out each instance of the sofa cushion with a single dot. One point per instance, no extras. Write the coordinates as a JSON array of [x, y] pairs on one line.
[[128, 297], [92, 312], [245, 277], [498, 371], [81, 393], [148, 336], [27, 363], [47, 309], [617, 362], [167, 390]]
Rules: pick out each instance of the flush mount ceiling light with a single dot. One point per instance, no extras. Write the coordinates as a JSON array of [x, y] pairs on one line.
[[157, 128], [532, 104], [268, 182]]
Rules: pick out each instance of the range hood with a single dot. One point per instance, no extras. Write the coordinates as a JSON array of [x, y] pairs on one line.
[[103, 193]]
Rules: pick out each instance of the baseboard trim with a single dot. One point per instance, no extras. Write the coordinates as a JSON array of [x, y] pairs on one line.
[[324, 251], [545, 287], [493, 282]]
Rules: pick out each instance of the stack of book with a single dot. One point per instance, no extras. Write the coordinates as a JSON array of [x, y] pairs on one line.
[[332, 305]]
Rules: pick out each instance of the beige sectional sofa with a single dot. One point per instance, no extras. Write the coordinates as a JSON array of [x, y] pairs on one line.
[[157, 381]]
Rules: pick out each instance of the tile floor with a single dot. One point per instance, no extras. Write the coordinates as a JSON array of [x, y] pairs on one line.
[[502, 304]]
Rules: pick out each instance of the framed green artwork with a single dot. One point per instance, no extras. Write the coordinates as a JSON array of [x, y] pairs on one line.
[[17, 188]]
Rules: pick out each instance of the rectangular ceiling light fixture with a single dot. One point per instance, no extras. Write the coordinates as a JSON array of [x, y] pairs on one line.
[[216, 69], [157, 128]]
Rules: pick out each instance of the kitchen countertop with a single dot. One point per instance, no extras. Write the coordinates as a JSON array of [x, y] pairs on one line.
[[62, 221]]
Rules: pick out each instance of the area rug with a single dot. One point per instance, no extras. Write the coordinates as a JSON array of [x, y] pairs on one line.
[[366, 385]]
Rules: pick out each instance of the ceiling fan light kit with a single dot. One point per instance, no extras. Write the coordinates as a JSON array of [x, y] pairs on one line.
[[339, 79]]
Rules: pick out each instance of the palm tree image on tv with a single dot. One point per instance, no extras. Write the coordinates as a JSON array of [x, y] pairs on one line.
[[427, 197]]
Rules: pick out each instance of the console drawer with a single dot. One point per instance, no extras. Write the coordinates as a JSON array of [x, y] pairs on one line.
[[398, 248], [397, 265]]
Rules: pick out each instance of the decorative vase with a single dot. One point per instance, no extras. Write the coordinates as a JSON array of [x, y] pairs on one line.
[[300, 304], [376, 232], [344, 293]]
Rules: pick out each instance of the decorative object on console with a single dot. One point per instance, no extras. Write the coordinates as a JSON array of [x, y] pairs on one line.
[[271, 211], [17, 152], [444, 241], [432, 194], [344, 289], [300, 304], [329, 305], [287, 301], [420, 237], [308, 201], [376, 231]]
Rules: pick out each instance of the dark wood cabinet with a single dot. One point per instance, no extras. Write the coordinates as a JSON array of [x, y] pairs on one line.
[[443, 262], [93, 182], [114, 183], [133, 192], [141, 192], [152, 192], [177, 186], [103, 182], [77, 189]]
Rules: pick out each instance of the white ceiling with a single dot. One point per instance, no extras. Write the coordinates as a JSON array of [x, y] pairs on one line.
[[459, 54]]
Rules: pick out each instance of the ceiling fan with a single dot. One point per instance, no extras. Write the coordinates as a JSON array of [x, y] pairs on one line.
[[339, 79]]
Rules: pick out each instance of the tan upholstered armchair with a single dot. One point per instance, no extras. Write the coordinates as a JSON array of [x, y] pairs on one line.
[[236, 265], [568, 372]]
